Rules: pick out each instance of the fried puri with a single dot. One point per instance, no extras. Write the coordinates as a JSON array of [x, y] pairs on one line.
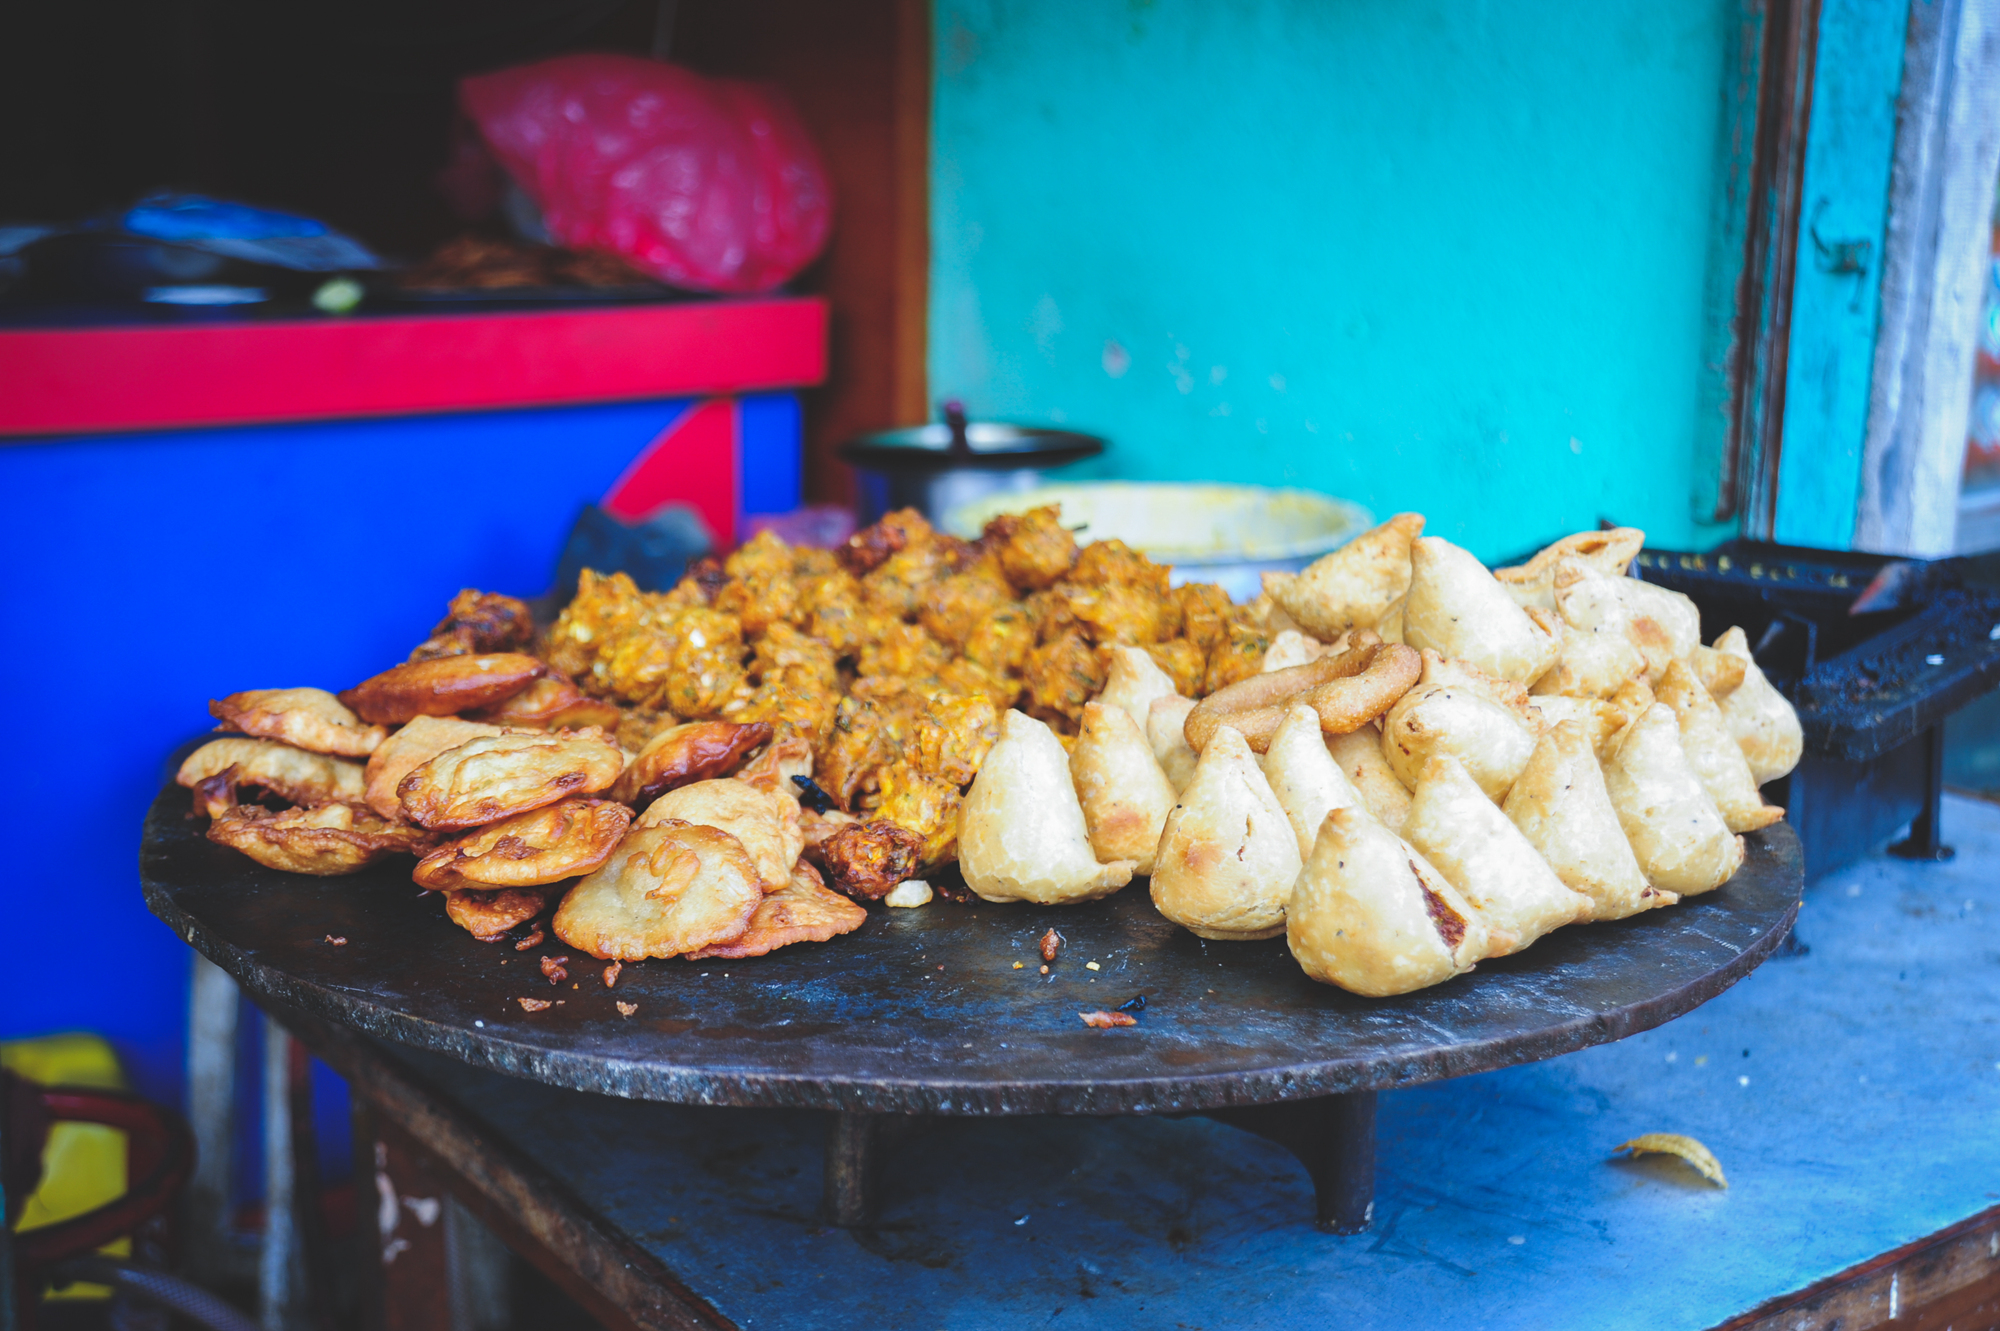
[[866, 859], [497, 776], [488, 916], [804, 910], [477, 621], [553, 702], [410, 748], [530, 849], [687, 753], [442, 686], [310, 719], [765, 825], [327, 841], [668, 889], [289, 773]]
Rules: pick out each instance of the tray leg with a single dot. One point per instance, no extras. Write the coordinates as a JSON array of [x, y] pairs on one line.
[[854, 1146], [1925, 830], [1334, 1138]]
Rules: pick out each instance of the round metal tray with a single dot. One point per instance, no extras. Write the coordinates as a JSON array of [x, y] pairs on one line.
[[926, 1011]]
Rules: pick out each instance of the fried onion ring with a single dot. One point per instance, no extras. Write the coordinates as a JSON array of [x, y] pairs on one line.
[[327, 841], [684, 754], [488, 916], [442, 686], [310, 719], [498, 776], [530, 849], [1348, 691], [552, 702]]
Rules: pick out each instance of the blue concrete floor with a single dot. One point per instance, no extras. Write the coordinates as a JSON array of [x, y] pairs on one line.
[[1852, 1093]]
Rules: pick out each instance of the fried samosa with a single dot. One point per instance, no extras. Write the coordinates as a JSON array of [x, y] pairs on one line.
[[1021, 831], [1228, 854]]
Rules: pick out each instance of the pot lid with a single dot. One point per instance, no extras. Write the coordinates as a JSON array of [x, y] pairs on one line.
[[956, 442]]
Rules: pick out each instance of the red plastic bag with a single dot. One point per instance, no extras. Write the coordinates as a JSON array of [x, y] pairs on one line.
[[709, 184]]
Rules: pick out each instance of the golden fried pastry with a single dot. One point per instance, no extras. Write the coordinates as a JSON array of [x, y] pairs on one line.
[[488, 915], [1227, 855], [1561, 805], [1666, 626], [1166, 731], [1600, 720], [1485, 723], [1347, 691], [867, 859], [1470, 841], [1765, 726], [410, 748], [1034, 548], [326, 841], [1353, 586], [1713, 752], [1371, 915], [1361, 762], [1289, 648], [953, 735], [214, 795], [1609, 553], [1675, 829], [765, 824], [541, 846], [1600, 648], [772, 770], [1022, 836], [497, 776], [478, 622], [1124, 794], [804, 910], [442, 686], [670, 888], [1457, 609], [289, 773], [1132, 680], [1719, 672], [310, 719], [1303, 775], [553, 702], [694, 751]]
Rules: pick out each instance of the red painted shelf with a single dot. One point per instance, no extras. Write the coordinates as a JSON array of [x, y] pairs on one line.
[[92, 380]]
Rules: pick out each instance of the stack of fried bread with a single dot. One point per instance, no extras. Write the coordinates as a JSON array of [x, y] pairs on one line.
[[1399, 759]]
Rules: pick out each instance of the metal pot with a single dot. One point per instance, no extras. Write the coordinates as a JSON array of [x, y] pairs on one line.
[[941, 467]]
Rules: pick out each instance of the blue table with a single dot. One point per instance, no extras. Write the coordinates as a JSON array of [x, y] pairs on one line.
[[1851, 1090]]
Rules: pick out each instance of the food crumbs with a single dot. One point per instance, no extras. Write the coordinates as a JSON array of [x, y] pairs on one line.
[[532, 940], [532, 1004], [553, 968], [1045, 970], [1019, 964], [1105, 1020], [336, 940], [1090, 965], [1051, 944], [611, 974], [627, 1009]]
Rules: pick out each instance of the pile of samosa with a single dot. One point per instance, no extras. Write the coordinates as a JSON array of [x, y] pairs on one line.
[[1441, 763]]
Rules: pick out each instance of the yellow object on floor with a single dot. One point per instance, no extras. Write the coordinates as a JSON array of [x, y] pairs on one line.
[[83, 1165]]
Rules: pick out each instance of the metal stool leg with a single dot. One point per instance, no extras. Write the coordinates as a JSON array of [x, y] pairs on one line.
[[1334, 1138], [1926, 831]]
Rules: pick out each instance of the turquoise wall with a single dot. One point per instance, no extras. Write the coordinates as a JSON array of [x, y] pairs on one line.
[[1444, 256]]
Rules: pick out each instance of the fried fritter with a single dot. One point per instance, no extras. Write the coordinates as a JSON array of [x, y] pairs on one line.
[[553, 702], [1239, 654], [802, 713], [544, 845], [691, 664], [310, 719], [1002, 640], [902, 650], [772, 770], [327, 841], [1062, 676], [867, 859], [488, 916], [1205, 615], [1034, 548], [442, 686], [695, 751], [1185, 663], [638, 725], [604, 609], [764, 823], [487, 779], [410, 748], [953, 607], [868, 548], [924, 804], [802, 911], [667, 889], [761, 590], [954, 735], [478, 622], [291, 774], [861, 743]]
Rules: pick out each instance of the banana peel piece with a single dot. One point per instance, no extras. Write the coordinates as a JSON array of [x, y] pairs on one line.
[[1699, 1157]]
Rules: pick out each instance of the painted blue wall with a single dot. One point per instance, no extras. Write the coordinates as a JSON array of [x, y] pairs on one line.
[[1432, 254]]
